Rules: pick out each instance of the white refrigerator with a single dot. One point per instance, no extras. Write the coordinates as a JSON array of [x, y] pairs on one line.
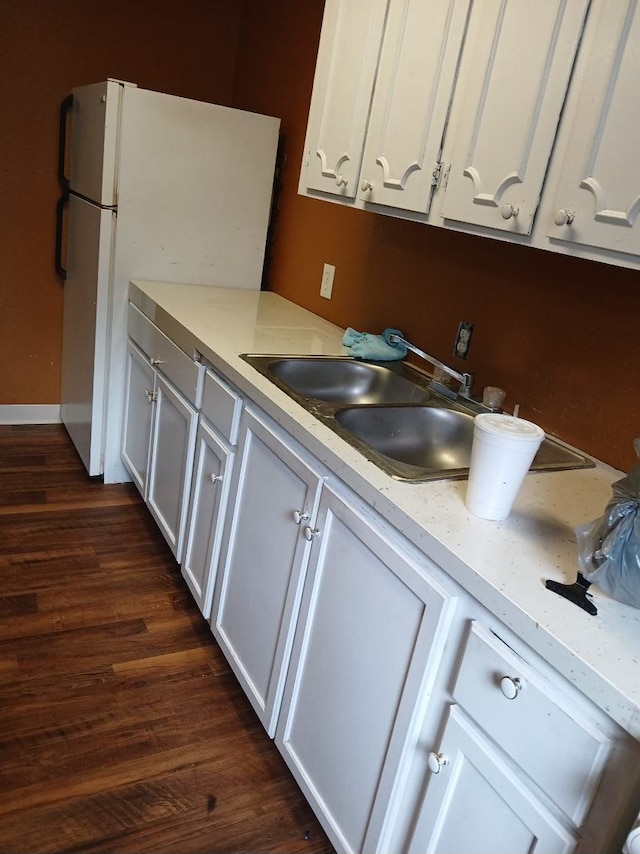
[[156, 187]]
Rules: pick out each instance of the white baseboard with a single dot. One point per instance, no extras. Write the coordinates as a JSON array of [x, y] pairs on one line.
[[35, 413]]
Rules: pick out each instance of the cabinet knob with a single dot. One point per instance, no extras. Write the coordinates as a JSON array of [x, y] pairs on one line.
[[366, 186], [632, 844], [215, 478], [310, 533], [341, 181], [155, 362], [300, 516], [564, 217], [509, 211], [511, 686], [437, 761]]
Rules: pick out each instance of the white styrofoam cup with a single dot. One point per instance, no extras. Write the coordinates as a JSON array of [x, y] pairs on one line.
[[502, 452]]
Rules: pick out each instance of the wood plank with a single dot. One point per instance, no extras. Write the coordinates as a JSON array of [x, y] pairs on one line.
[[122, 727]]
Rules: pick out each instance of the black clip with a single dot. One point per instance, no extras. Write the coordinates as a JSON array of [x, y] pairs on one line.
[[576, 593]]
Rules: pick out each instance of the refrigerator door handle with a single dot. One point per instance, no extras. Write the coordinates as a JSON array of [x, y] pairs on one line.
[[65, 108], [63, 201]]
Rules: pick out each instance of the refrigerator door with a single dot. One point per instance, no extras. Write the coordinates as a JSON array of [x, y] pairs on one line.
[[86, 327], [94, 140]]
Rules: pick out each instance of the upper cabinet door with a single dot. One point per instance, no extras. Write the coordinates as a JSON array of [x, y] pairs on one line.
[[411, 102], [515, 67], [345, 74], [597, 201]]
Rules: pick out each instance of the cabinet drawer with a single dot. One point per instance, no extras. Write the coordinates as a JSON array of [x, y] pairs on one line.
[[540, 729], [222, 406], [181, 369]]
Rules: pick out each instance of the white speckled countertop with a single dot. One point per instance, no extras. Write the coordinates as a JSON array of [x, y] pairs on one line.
[[502, 564]]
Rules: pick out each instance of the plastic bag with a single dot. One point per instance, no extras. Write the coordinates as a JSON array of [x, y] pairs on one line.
[[609, 547]]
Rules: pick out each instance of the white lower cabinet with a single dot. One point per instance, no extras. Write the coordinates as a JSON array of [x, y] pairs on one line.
[[371, 630], [170, 462], [267, 539], [209, 495], [477, 803], [211, 487], [523, 764], [140, 390], [162, 392]]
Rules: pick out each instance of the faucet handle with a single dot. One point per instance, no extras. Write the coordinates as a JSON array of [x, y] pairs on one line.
[[466, 385]]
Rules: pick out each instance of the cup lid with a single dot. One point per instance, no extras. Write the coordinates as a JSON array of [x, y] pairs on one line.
[[506, 425]]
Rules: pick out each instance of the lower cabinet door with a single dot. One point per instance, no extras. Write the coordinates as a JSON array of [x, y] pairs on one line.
[[265, 552], [370, 633], [209, 493], [171, 462], [478, 804], [138, 415]]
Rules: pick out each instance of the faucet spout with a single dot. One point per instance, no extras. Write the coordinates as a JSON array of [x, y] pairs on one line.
[[465, 379]]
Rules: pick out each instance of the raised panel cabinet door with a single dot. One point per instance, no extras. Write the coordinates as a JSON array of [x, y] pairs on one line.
[[171, 462], [343, 84], [597, 201], [477, 804], [140, 387], [515, 68], [368, 642], [266, 546], [411, 101], [209, 495]]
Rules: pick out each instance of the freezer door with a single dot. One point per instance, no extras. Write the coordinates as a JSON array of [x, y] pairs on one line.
[[85, 328], [94, 141]]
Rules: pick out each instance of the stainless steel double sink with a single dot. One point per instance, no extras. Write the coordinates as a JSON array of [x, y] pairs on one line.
[[393, 414]]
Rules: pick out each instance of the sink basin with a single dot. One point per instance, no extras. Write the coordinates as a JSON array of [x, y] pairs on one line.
[[340, 380], [429, 437], [391, 416]]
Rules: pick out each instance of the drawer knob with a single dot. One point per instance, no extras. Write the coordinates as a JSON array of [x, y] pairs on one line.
[[437, 761], [300, 516], [310, 533], [511, 686], [215, 478]]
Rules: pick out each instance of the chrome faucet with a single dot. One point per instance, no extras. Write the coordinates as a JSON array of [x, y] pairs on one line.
[[465, 379]]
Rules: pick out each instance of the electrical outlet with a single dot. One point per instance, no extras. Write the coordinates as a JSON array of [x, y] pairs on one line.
[[326, 285], [463, 339]]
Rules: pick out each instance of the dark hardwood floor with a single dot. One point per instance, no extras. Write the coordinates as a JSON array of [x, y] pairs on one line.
[[122, 727]]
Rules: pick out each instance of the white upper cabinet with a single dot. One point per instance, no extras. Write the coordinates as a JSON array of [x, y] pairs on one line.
[[411, 102], [515, 68], [345, 73], [597, 197]]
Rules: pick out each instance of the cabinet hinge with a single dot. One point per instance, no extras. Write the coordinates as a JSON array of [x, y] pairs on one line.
[[440, 176], [151, 395]]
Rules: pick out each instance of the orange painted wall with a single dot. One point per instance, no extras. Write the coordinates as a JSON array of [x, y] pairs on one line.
[[560, 334], [187, 48]]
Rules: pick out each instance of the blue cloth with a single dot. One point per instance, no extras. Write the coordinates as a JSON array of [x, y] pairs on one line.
[[365, 345]]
